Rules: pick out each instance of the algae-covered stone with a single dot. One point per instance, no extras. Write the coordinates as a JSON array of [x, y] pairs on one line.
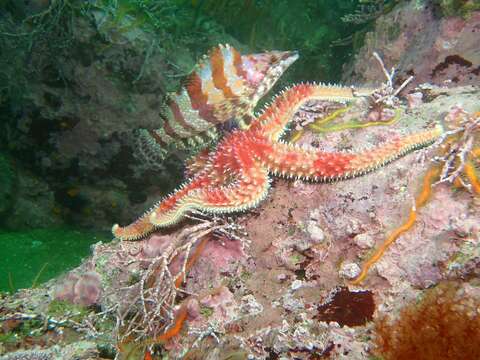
[[34, 206]]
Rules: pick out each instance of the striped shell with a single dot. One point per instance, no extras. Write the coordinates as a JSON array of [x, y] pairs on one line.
[[223, 88]]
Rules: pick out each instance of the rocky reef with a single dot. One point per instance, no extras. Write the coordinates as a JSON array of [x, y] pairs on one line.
[[283, 287], [280, 281], [423, 39]]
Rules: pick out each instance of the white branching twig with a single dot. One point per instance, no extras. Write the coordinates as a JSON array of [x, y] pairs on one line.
[[387, 94], [152, 309]]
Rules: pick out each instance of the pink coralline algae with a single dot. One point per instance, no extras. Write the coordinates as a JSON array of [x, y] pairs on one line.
[[81, 289], [222, 304], [155, 245], [222, 253]]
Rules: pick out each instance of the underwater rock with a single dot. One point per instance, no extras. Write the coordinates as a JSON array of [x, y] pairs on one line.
[[315, 232], [34, 206], [413, 38], [466, 263], [8, 179], [349, 270], [155, 245], [29, 355], [287, 294], [222, 254], [426, 248], [222, 304], [93, 206], [414, 99], [291, 303], [250, 306], [364, 240]]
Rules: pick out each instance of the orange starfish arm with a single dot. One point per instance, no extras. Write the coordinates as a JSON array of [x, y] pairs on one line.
[[275, 118], [242, 193], [143, 226], [312, 164], [202, 193]]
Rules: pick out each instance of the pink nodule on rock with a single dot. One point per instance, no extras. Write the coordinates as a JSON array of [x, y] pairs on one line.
[[84, 289]]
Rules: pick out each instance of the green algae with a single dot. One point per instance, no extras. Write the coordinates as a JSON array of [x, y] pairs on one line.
[[59, 308], [312, 28], [462, 8], [206, 311], [35, 256]]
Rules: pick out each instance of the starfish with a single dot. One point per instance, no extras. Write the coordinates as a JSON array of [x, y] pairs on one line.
[[236, 175]]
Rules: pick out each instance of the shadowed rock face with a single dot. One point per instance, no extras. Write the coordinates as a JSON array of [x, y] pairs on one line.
[[438, 50]]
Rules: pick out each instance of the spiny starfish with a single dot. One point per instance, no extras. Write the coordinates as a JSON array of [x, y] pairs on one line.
[[236, 175]]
